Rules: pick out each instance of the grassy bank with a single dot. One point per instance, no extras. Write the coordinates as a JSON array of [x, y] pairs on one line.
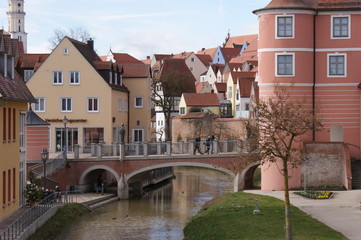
[[56, 224], [231, 217]]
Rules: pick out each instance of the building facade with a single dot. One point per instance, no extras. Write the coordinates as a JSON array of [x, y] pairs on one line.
[[313, 47]]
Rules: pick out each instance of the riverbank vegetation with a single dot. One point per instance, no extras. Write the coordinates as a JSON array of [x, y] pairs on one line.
[[231, 217], [60, 221]]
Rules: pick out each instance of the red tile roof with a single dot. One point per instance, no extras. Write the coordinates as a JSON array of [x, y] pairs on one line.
[[176, 68], [136, 70], [211, 52], [221, 87], [159, 57], [31, 60], [124, 58], [245, 86], [183, 55], [242, 75], [229, 53], [15, 90], [239, 40], [192, 115], [201, 99], [205, 59]]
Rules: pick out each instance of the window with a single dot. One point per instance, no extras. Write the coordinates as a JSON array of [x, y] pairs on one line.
[[74, 77], [28, 74], [119, 105], [4, 124], [138, 135], [93, 104], [57, 77], [116, 79], [4, 188], [192, 59], [285, 27], [340, 27], [126, 105], [230, 92], [138, 102], [285, 65], [191, 69], [336, 65], [66, 51], [120, 80], [182, 110], [110, 77], [247, 106], [237, 107], [66, 104], [237, 94], [40, 105]]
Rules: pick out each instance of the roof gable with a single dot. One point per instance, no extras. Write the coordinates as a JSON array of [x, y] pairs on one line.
[[201, 99]]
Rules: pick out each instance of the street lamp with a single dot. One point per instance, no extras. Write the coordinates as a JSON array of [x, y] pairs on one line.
[[65, 121], [44, 158]]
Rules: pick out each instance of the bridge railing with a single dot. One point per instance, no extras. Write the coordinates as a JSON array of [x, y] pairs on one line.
[[158, 149]]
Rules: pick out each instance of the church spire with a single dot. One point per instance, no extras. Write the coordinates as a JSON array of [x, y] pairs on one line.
[[16, 21]]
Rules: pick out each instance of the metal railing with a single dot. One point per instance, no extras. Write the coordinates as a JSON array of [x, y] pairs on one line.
[[51, 165], [18, 227], [158, 149]]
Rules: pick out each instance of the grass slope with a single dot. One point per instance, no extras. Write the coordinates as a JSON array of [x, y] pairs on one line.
[[57, 223], [231, 217]]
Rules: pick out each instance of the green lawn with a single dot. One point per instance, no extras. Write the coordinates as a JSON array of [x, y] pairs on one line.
[[231, 217]]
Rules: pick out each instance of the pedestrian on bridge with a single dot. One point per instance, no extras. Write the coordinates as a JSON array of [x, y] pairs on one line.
[[197, 143], [208, 144]]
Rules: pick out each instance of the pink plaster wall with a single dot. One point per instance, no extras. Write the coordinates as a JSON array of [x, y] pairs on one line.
[[37, 138]]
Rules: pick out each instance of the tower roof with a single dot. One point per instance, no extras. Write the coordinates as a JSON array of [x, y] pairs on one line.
[[289, 4]]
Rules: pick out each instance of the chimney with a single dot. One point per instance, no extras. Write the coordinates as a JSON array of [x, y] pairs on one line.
[[203, 49], [90, 44]]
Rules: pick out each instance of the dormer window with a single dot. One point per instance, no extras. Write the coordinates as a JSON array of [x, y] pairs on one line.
[[285, 26], [116, 78], [110, 77]]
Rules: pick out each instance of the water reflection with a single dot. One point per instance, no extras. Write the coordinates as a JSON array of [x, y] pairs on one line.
[[161, 214]]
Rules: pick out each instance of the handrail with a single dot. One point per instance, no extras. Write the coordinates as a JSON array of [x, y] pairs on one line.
[[55, 199], [51, 165]]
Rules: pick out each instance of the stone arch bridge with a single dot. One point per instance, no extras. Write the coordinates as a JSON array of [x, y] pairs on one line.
[[129, 172]]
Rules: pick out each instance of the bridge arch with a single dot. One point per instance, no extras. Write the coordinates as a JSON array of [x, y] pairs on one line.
[[242, 179], [84, 184]]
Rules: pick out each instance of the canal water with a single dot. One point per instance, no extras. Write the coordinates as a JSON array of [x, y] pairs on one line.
[[161, 214]]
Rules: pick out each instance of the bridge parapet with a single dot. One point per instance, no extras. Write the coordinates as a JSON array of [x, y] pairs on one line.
[[159, 149]]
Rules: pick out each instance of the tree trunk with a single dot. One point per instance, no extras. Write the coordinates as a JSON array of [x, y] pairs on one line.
[[287, 202], [167, 127]]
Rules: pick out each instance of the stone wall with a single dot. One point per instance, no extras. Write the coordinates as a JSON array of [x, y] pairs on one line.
[[326, 164], [224, 128]]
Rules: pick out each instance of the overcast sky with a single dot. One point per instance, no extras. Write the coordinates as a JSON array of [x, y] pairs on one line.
[[139, 27]]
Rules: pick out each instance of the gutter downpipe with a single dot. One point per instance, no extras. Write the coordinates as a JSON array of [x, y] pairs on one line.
[[314, 75]]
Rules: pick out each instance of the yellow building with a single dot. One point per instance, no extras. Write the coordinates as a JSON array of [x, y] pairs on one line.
[[14, 98], [136, 77], [75, 83], [199, 102]]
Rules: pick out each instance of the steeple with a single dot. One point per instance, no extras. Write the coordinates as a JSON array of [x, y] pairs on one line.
[[16, 21]]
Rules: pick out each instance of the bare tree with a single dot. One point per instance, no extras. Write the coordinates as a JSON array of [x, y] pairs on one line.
[[168, 86], [283, 122], [78, 33]]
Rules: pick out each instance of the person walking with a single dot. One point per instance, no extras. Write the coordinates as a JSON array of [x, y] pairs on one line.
[[208, 144], [211, 143], [99, 184], [197, 142]]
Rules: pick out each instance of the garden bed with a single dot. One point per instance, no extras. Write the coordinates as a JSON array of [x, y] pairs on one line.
[[315, 194]]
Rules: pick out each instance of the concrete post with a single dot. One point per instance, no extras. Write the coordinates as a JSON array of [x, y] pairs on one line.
[[121, 152], [159, 144], [191, 148], [169, 150], [123, 189], [225, 146], [99, 150], [181, 144], [76, 151], [114, 148], [215, 146], [93, 149], [145, 149], [137, 149]]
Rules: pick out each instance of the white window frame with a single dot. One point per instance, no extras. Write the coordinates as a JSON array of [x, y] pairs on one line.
[[135, 102], [70, 76], [120, 102], [91, 108], [328, 65], [35, 109], [71, 104], [140, 130], [293, 64], [56, 74], [28, 74], [349, 27], [182, 110], [66, 51], [293, 26]]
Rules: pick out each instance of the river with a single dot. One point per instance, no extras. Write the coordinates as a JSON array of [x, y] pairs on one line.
[[159, 215]]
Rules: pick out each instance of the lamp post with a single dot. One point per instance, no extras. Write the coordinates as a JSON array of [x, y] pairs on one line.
[[65, 121], [44, 158]]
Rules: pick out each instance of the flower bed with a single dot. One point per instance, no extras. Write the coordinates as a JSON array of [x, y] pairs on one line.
[[315, 194]]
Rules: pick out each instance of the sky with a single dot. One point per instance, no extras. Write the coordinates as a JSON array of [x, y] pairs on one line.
[[139, 27]]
